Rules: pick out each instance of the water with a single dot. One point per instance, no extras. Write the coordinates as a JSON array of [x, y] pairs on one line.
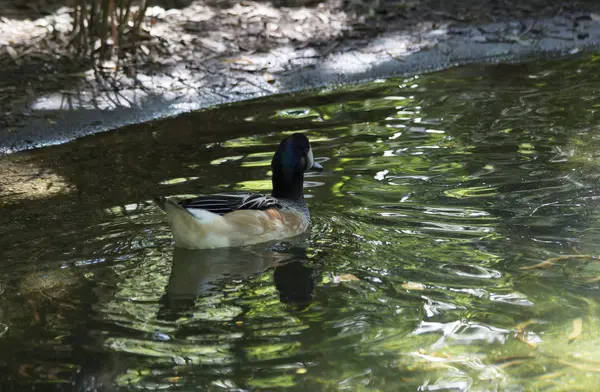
[[438, 190]]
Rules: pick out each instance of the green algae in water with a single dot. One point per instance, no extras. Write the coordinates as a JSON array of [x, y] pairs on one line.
[[438, 190]]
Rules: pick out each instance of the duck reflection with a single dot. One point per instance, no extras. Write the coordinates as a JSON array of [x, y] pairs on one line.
[[198, 272], [296, 283]]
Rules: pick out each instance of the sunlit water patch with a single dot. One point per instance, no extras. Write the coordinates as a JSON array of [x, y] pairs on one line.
[[454, 245]]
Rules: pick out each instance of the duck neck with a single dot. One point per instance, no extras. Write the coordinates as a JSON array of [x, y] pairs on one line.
[[288, 187]]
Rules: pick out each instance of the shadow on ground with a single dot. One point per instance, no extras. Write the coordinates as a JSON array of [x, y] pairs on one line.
[[206, 52]]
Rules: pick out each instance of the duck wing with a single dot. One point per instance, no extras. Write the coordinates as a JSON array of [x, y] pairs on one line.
[[224, 203]]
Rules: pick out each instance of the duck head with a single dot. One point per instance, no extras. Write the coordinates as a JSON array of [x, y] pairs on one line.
[[293, 158]]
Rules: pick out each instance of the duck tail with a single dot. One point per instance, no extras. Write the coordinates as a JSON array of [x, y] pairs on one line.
[[194, 229], [160, 201], [168, 205]]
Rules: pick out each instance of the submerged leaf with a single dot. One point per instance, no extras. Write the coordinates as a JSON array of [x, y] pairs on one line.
[[577, 327], [413, 286], [522, 335], [345, 278], [580, 366], [553, 260]]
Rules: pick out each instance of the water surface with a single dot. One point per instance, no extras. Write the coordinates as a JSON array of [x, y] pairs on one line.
[[441, 195]]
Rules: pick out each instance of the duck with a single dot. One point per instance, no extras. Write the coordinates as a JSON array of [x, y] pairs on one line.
[[225, 220]]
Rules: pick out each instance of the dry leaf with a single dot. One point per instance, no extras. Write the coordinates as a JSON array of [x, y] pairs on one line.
[[213, 45], [577, 327], [238, 60], [269, 78], [413, 286], [12, 53], [23, 370]]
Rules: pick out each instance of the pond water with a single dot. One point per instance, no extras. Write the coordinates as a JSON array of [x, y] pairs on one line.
[[441, 196]]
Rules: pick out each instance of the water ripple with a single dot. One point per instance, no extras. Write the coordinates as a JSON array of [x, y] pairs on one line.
[[438, 189]]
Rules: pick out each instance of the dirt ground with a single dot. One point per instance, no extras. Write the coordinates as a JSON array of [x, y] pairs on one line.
[[189, 43]]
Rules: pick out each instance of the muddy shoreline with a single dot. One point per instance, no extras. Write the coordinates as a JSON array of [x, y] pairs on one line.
[[199, 58]]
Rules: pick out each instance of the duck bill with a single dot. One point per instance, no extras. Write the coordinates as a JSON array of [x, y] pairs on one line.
[[316, 166], [311, 159]]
